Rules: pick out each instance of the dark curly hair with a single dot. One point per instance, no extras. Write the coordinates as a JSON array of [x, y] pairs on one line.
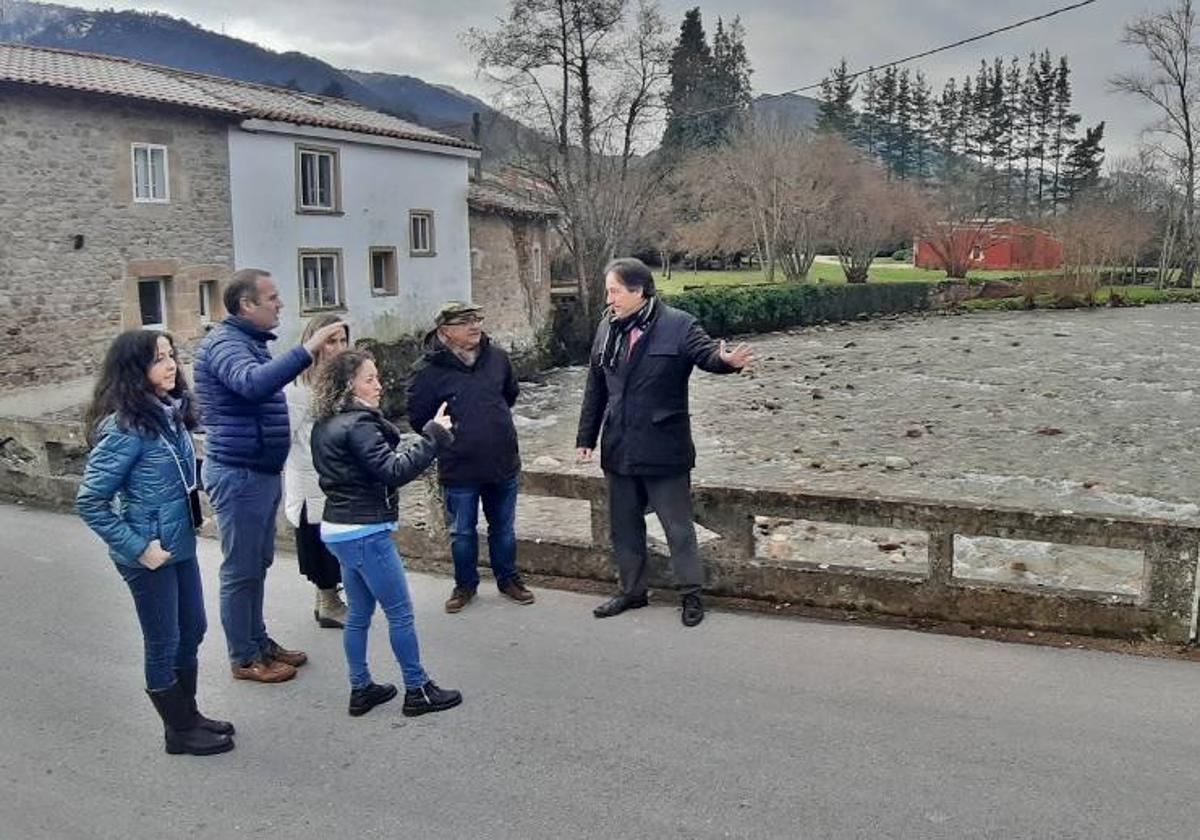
[[334, 383], [122, 387]]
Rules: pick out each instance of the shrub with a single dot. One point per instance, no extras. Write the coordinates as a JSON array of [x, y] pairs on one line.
[[727, 310]]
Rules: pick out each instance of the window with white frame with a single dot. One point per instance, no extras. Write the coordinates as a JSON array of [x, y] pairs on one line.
[[420, 233], [150, 181], [208, 295], [384, 280], [152, 302], [537, 262], [317, 187], [320, 280]]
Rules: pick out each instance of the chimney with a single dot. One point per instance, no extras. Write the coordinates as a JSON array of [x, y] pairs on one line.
[[477, 138]]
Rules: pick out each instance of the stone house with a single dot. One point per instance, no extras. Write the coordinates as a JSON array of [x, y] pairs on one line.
[[511, 245], [129, 191]]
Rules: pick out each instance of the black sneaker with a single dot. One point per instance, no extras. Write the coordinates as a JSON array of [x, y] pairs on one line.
[[363, 700], [429, 698]]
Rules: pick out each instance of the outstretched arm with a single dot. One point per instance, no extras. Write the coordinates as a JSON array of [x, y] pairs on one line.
[[713, 356]]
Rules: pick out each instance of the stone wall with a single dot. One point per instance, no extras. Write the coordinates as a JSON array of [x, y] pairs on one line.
[[516, 304], [73, 243]]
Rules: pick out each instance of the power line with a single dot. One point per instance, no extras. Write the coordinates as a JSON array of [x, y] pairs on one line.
[[1036, 18]]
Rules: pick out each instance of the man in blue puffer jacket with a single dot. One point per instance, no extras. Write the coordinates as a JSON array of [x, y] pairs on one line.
[[245, 420]]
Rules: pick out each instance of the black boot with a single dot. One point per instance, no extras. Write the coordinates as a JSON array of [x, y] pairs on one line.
[[187, 681], [429, 698], [180, 732]]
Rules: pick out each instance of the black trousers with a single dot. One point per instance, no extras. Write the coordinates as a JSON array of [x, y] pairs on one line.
[[671, 498], [315, 560]]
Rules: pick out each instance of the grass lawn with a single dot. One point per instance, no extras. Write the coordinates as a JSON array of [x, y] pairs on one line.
[[882, 271]]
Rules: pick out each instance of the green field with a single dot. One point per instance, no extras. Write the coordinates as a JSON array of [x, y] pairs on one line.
[[882, 271]]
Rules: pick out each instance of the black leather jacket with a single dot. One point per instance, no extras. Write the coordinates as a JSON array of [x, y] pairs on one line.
[[359, 469]]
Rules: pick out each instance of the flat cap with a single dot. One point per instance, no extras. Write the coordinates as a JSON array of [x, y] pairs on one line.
[[454, 311]]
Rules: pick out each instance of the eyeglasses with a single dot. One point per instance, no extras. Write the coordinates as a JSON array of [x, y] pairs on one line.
[[465, 319]]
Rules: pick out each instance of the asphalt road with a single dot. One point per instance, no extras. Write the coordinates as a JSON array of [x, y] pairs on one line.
[[632, 727]]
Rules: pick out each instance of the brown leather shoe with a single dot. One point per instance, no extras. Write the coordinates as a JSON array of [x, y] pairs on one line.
[[458, 599], [278, 653], [516, 590], [264, 671]]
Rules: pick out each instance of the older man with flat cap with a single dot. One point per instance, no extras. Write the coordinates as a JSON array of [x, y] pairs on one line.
[[462, 367]]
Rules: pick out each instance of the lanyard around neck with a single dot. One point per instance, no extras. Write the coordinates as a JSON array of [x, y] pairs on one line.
[[188, 487]]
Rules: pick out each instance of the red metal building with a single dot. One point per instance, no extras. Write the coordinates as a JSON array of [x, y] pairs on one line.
[[999, 244]]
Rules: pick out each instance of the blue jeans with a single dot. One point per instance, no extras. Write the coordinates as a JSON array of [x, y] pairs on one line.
[[246, 503], [462, 516], [372, 572], [170, 608]]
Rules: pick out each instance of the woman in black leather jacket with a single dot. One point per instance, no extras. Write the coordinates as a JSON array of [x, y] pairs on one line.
[[360, 471]]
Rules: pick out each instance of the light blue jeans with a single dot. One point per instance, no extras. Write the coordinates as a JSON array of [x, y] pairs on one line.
[[372, 572]]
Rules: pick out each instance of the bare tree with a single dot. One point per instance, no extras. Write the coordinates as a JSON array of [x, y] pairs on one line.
[[1171, 85], [1098, 236], [588, 76], [868, 214], [1138, 182], [771, 186], [955, 223]]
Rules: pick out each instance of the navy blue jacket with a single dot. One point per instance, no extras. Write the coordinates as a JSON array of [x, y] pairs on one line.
[[481, 397], [642, 406], [149, 477], [240, 387]]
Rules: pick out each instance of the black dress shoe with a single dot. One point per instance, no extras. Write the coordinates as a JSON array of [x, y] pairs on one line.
[[619, 603], [693, 610]]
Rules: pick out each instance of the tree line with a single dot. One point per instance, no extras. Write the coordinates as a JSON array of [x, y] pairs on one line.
[[1012, 121]]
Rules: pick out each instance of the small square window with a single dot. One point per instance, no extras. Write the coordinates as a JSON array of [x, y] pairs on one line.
[[383, 271], [152, 303], [320, 280], [317, 180], [420, 233], [150, 179]]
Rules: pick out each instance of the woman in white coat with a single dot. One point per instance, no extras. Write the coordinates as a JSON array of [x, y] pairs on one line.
[[303, 501]]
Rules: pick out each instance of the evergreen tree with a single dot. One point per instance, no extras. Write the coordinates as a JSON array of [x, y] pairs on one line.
[[730, 76], [885, 113], [867, 135], [1065, 123], [1012, 103], [998, 136], [1029, 147], [902, 151], [691, 69], [836, 114], [948, 129], [922, 126], [966, 120], [1081, 169], [1044, 81]]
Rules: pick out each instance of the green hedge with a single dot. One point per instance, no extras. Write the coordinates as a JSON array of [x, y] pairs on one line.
[[727, 310]]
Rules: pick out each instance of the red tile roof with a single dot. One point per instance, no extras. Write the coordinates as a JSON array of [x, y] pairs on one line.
[[124, 77]]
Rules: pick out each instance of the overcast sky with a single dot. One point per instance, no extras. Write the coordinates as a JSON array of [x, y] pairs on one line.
[[790, 43]]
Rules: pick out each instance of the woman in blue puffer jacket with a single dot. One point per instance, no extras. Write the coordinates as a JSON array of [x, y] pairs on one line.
[[138, 494]]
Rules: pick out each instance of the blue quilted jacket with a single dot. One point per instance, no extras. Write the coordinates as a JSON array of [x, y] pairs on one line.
[[243, 410], [134, 490]]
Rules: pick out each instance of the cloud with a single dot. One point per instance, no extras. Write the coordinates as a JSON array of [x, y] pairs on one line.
[[790, 44]]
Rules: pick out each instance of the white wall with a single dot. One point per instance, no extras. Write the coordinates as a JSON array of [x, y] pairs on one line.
[[379, 186]]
